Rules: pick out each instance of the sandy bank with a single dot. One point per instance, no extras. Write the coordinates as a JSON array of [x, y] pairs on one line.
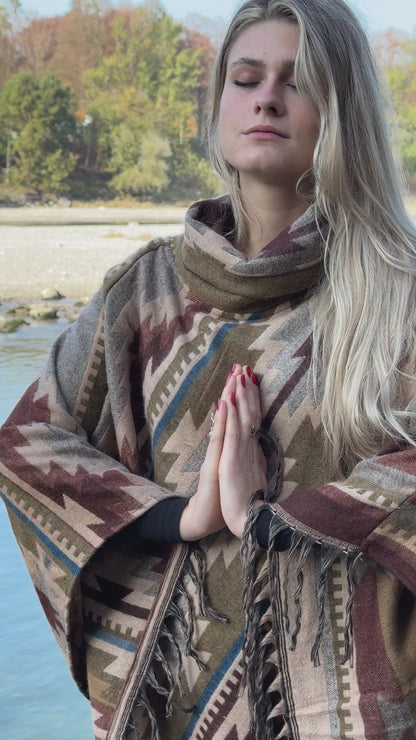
[[71, 248], [72, 257], [50, 215]]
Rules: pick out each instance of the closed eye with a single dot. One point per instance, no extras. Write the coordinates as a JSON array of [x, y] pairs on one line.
[[239, 83]]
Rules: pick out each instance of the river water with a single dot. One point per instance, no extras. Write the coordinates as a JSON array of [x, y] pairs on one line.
[[38, 698]]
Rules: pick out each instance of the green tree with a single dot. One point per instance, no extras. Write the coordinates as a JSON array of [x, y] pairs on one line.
[[151, 84], [397, 55], [38, 130], [141, 164], [140, 81]]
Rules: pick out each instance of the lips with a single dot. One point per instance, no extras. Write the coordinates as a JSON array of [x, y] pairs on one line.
[[265, 132]]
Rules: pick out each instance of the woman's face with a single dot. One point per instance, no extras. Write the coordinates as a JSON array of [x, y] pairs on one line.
[[268, 131]]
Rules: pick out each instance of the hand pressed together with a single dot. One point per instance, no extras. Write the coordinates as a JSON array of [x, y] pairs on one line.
[[234, 465]]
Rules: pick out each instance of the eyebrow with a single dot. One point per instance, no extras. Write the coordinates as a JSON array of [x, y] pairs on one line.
[[259, 64]]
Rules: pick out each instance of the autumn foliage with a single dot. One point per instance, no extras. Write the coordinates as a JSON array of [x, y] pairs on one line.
[[102, 101]]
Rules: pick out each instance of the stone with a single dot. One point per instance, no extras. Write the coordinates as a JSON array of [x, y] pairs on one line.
[[18, 312], [8, 326], [43, 312], [51, 294]]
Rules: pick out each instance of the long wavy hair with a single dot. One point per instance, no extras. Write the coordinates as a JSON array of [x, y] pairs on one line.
[[363, 310]]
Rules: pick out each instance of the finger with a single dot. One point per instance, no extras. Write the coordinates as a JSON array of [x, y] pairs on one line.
[[216, 440], [243, 407], [232, 433], [245, 403], [239, 444], [236, 369], [234, 372], [229, 388], [253, 395], [248, 400]]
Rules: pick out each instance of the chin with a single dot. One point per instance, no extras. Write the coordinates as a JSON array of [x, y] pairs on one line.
[[268, 175]]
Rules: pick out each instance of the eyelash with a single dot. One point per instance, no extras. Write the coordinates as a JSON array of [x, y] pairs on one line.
[[238, 83], [244, 84]]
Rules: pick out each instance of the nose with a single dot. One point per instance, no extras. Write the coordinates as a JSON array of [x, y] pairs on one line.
[[269, 100]]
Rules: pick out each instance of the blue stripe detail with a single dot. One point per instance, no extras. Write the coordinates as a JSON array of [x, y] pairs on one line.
[[73, 567], [191, 377], [213, 685], [94, 631]]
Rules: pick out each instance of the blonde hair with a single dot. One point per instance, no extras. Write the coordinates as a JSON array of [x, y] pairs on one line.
[[363, 311]]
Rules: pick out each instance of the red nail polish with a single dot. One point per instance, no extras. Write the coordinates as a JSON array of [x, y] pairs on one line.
[[243, 380], [248, 371], [255, 379], [233, 399]]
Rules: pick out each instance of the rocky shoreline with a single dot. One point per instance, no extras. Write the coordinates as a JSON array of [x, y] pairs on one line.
[[23, 315], [53, 260]]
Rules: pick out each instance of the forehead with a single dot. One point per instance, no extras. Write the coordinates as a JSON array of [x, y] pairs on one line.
[[269, 42]]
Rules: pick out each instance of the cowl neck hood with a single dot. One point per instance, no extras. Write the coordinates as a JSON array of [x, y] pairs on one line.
[[220, 275]]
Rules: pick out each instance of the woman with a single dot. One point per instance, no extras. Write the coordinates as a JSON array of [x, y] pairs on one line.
[[286, 309]]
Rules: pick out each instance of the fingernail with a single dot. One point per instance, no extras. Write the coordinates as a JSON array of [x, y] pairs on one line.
[[233, 367], [233, 399], [243, 380], [248, 371], [255, 379]]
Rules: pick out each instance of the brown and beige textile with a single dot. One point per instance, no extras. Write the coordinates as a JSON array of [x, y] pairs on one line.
[[163, 638]]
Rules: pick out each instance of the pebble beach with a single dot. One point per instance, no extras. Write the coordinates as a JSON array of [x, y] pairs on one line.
[[70, 249]]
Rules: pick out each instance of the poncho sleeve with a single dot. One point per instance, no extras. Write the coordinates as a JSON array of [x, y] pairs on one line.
[[372, 512], [72, 473]]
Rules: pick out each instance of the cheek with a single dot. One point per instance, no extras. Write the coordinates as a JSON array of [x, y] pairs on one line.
[[225, 121], [308, 132], [314, 133], [312, 129], [230, 109], [310, 126]]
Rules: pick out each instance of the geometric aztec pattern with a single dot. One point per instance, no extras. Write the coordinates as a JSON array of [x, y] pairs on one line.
[[118, 421]]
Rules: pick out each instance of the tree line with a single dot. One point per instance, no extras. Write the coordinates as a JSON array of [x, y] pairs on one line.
[[396, 54], [104, 102]]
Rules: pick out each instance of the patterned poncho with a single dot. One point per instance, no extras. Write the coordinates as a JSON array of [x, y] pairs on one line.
[[203, 641]]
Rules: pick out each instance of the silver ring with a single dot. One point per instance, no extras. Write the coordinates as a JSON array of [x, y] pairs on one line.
[[265, 436], [212, 425]]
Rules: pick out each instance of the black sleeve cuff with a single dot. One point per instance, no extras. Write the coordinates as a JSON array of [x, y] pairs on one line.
[[281, 541], [161, 522]]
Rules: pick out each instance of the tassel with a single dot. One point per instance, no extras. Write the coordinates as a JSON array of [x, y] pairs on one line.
[[266, 605], [198, 577], [175, 641], [143, 703], [296, 541], [259, 645], [304, 552], [352, 562], [328, 557]]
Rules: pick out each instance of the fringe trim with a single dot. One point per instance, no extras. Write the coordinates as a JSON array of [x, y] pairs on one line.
[[259, 605], [175, 642], [260, 675]]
